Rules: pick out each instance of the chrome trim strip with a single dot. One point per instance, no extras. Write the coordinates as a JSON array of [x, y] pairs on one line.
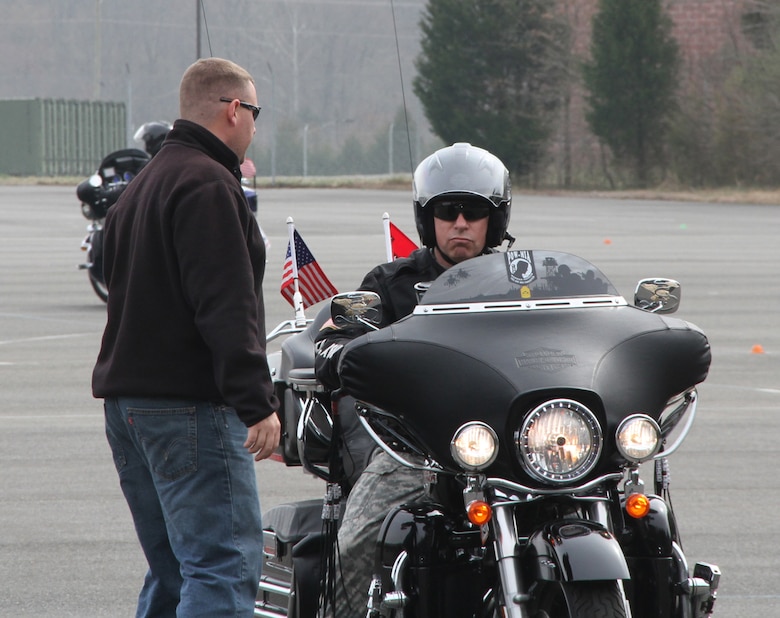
[[266, 586], [261, 612], [522, 305]]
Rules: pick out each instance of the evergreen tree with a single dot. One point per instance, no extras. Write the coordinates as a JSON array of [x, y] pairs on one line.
[[631, 80], [748, 130], [485, 75]]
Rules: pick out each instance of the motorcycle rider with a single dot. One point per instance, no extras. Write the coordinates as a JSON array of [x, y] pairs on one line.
[[151, 135], [462, 201]]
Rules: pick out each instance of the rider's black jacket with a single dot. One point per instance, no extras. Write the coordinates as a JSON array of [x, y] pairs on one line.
[[394, 282]]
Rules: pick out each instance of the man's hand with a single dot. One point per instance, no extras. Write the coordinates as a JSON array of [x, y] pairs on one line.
[[263, 437]]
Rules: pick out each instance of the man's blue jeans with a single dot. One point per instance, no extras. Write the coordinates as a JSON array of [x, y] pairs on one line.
[[192, 492]]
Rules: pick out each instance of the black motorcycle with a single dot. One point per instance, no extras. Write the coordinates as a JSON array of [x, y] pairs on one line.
[[533, 392], [101, 191], [97, 194]]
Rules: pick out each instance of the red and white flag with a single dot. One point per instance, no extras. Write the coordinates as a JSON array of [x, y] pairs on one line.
[[313, 285], [397, 244], [248, 169]]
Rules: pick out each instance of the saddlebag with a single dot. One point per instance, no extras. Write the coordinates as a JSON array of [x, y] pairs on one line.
[[292, 546]]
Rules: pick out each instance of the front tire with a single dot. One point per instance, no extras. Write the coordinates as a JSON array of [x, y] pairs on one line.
[[579, 600], [95, 257], [99, 286]]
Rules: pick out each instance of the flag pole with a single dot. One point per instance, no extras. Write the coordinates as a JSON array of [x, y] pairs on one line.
[[388, 239], [300, 317]]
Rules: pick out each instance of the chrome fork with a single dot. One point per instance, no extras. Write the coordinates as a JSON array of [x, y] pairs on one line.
[[515, 597]]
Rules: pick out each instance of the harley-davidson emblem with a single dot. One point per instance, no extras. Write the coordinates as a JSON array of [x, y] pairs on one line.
[[545, 359]]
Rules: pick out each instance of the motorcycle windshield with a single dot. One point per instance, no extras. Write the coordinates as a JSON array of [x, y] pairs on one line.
[[519, 275]]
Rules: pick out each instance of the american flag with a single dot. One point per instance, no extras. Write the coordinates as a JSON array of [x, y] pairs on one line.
[[313, 285]]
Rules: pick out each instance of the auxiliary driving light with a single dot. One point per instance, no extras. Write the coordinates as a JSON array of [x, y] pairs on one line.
[[638, 437], [474, 446]]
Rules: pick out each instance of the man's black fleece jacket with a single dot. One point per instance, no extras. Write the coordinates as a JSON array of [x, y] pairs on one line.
[[184, 263]]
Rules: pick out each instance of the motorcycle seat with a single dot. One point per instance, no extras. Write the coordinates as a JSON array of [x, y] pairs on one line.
[[304, 379], [294, 521]]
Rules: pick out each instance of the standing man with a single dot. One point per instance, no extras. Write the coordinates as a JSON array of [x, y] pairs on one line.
[[189, 400]]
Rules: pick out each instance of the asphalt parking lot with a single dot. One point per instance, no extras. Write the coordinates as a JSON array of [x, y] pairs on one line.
[[67, 547]]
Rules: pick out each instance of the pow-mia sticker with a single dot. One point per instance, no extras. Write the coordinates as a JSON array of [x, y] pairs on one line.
[[520, 265]]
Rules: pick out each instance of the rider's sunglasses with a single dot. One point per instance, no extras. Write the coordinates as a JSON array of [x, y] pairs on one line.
[[449, 211], [252, 108]]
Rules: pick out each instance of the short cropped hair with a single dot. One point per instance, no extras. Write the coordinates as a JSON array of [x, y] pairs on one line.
[[205, 81]]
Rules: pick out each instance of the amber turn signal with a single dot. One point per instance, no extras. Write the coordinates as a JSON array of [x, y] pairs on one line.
[[479, 512], [637, 505]]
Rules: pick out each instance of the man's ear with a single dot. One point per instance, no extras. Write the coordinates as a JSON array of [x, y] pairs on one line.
[[231, 112]]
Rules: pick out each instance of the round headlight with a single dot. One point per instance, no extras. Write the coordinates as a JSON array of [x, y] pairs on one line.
[[559, 441], [474, 446], [638, 437]]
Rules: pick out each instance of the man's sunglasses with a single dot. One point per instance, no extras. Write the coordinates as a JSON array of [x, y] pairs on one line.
[[252, 108], [449, 211]]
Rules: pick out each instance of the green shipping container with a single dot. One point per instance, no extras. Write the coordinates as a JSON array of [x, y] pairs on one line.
[[57, 137]]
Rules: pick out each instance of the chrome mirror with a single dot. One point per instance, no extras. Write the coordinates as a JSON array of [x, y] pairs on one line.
[[658, 295], [352, 308]]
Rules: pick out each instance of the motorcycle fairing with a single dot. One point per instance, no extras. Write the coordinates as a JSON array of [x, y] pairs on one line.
[[116, 165], [424, 368], [116, 170], [575, 550]]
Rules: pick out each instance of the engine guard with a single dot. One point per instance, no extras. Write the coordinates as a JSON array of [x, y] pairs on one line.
[[575, 550]]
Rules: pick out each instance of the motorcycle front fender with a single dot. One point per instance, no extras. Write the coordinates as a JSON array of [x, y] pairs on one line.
[[575, 550]]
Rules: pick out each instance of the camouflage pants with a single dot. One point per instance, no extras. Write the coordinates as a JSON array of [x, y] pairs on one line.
[[383, 485]]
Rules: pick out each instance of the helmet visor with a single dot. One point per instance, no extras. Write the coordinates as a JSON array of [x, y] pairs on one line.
[[450, 210]]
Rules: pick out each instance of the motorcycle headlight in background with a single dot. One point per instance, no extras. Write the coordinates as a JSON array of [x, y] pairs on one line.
[[559, 441], [474, 446], [638, 437]]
